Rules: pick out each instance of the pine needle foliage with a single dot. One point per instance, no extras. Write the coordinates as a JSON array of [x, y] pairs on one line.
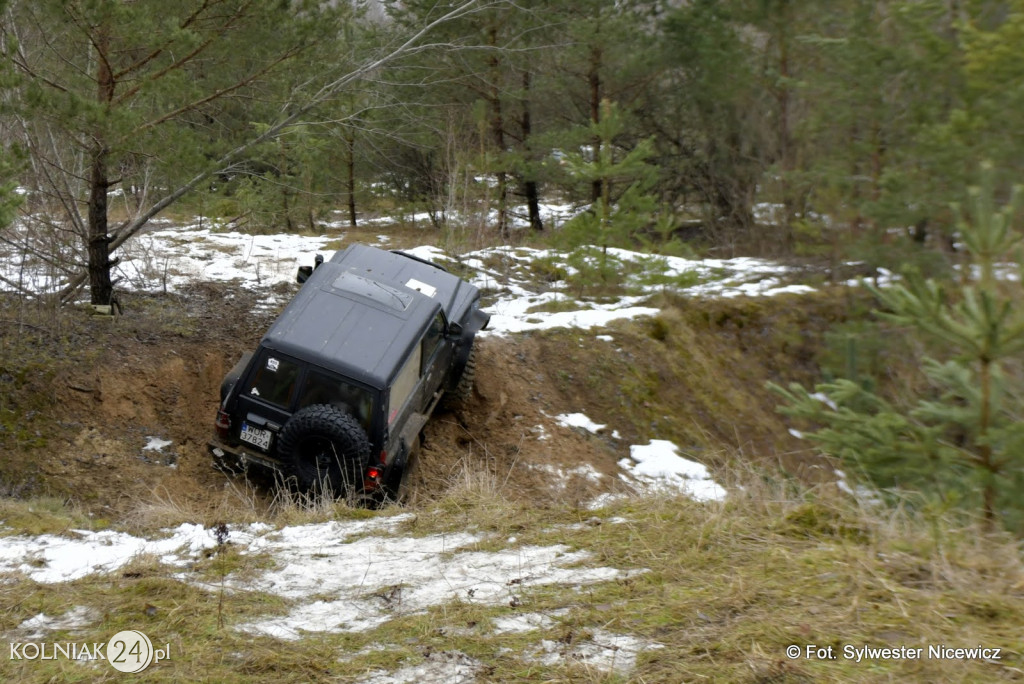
[[962, 438]]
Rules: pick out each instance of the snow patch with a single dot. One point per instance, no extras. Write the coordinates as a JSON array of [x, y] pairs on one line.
[[562, 475], [438, 667], [579, 420], [156, 444], [825, 399], [864, 495], [659, 466], [360, 582], [525, 622], [364, 583], [39, 626], [604, 651], [605, 499], [48, 558]]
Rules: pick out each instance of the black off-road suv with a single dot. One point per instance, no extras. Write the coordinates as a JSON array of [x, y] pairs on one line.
[[336, 396]]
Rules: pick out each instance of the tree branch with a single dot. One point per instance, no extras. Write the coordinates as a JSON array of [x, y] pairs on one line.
[[158, 51], [184, 60], [101, 53], [209, 98], [323, 94]]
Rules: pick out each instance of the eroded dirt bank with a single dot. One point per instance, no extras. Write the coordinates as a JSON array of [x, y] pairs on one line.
[[115, 413]]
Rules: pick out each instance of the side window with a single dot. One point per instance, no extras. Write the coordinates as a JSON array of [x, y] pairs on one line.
[[405, 383], [324, 389], [432, 339], [274, 380]]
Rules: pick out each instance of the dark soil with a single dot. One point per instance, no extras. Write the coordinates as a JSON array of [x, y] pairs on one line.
[[80, 397]]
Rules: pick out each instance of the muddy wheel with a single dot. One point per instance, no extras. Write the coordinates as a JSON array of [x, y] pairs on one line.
[[324, 450], [463, 391]]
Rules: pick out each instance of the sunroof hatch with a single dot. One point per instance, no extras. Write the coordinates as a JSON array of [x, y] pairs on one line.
[[388, 296]]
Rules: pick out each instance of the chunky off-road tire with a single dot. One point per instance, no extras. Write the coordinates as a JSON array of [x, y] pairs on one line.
[[463, 391], [324, 450]]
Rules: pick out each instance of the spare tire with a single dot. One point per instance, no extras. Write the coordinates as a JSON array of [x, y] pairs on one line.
[[324, 450]]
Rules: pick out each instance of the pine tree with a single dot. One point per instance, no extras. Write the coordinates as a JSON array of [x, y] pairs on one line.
[[970, 426], [616, 213]]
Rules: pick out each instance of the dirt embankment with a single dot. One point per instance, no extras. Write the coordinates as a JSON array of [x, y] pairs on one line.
[[93, 413]]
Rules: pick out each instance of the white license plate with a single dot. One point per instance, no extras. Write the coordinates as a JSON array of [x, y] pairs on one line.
[[255, 436]]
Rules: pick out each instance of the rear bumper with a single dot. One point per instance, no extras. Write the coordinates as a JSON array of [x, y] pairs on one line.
[[237, 458]]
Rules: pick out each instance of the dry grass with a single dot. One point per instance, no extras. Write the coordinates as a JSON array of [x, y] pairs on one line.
[[241, 502], [43, 515], [725, 589]]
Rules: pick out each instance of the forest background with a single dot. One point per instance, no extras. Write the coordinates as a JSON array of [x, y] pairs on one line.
[[845, 133]]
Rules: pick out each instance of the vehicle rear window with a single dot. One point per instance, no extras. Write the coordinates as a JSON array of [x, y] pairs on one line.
[[324, 389], [274, 380]]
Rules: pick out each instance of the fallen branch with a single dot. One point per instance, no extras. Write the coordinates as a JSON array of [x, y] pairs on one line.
[[20, 289], [22, 324]]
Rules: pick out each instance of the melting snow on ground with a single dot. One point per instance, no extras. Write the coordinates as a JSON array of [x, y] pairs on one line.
[[350, 566], [347, 576], [38, 626], [439, 667], [173, 257], [659, 466], [168, 258], [864, 495], [518, 305], [353, 577], [603, 650], [50, 558], [364, 583], [579, 420], [526, 622], [156, 444], [561, 475]]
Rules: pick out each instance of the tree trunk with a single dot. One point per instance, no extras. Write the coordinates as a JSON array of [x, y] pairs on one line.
[[350, 143], [877, 168], [498, 134], [785, 138], [594, 77], [288, 226], [101, 288], [530, 186], [985, 448], [284, 182]]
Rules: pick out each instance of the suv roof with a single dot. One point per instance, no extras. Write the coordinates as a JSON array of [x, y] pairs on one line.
[[361, 312]]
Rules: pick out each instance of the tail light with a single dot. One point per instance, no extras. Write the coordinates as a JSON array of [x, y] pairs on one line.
[[223, 424], [374, 473]]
